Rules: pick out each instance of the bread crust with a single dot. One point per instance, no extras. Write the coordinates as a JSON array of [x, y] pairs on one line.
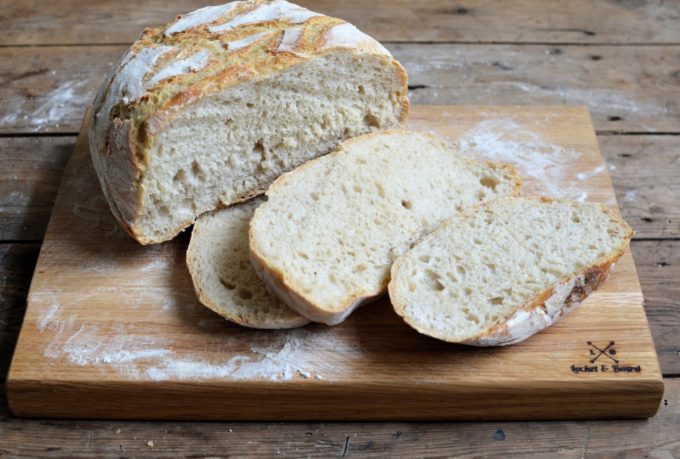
[[207, 301], [290, 293], [123, 128], [276, 283], [541, 311]]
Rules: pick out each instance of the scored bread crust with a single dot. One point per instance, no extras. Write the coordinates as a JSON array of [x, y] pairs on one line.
[[129, 111], [541, 311], [290, 293], [291, 320]]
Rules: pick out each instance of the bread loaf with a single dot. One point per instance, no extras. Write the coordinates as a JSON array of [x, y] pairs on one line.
[[499, 272], [326, 238], [222, 274], [206, 111]]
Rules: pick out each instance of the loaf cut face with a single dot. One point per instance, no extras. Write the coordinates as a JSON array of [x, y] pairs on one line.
[[327, 236], [223, 277], [499, 272], [208, 110]]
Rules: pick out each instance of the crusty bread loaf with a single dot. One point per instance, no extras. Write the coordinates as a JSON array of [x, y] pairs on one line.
[[223, 277], [499, 272], [209, 109], [330, 230]]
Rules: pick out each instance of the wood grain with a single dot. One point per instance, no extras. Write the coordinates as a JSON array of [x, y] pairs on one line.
[[655, 438], [627, 89], [644, 170], [113, 329], [47, 89], [518, 21], [658, 264], [29, 179], [16, 267]]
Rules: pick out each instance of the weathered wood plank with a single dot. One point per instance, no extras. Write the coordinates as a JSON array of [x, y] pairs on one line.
[[16, 268], [29, 179], [47, 89], [656, 437], [625, 88], [635, 88], [580, 21], [658, 265], [644, 170]]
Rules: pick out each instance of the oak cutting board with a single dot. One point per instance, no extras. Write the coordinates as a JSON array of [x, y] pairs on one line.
[[113, 329]]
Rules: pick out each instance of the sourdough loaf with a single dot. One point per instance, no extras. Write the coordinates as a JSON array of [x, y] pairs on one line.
[[207, 110], [223, 277], [326, 237], [499, 272]]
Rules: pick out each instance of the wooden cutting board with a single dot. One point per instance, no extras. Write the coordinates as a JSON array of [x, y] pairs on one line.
[[113, 329]]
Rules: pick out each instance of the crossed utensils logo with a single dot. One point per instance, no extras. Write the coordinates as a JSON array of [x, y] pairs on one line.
[[609, 351]]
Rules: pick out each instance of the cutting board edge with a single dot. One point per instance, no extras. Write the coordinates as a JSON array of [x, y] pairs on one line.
[[624, 399]]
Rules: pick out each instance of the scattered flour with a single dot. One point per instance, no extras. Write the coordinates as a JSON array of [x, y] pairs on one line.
[[586, 175], [581, 197], [630, 196], [56, 106], [264, 363], [159, 264], [54, 109], [48, 316], [143, 356], [543, 163], [86, 347]]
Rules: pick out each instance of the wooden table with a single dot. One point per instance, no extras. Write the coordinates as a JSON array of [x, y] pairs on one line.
[[621, 59]]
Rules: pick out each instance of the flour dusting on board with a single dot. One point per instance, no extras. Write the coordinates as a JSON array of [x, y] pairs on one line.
[[267, 363], [47, 316], [505, 141], [139, 356]]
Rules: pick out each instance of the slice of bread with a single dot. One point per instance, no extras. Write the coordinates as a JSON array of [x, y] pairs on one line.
[[330, 230], [223, 276], [209, 109], [499, 272]]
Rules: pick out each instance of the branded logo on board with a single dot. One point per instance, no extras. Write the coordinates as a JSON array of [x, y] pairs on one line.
[[608, 351], [603, 358]]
